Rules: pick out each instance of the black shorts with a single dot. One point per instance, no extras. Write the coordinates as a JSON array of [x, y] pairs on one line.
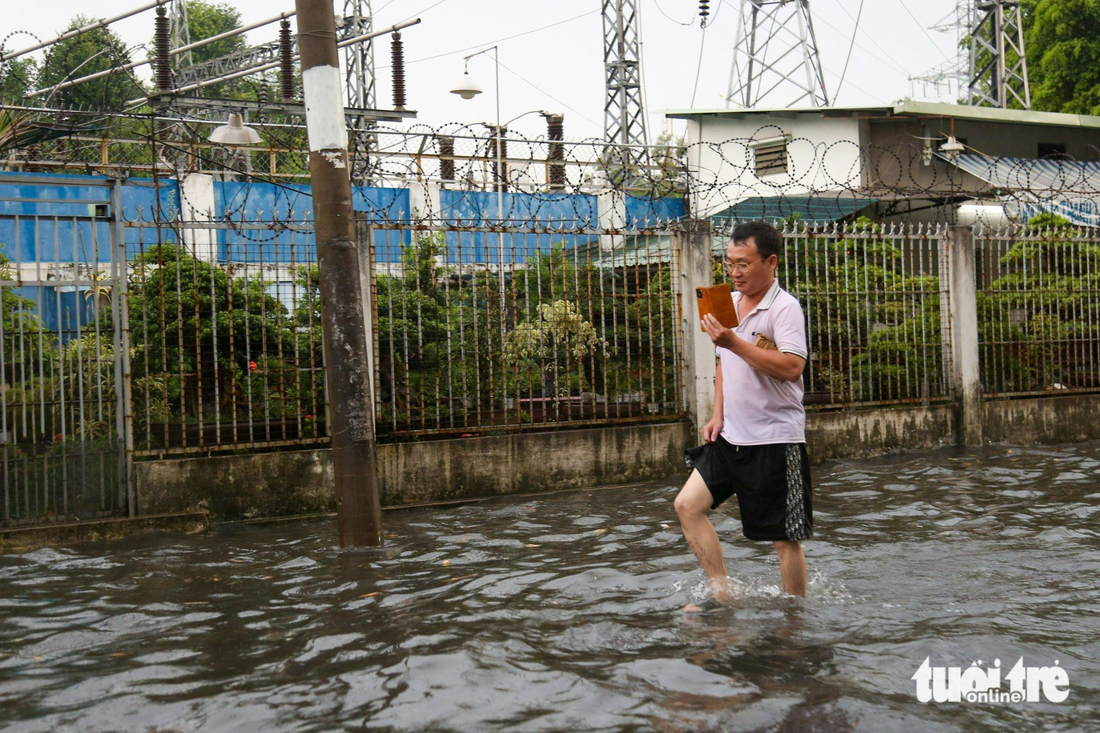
[[772, 483]]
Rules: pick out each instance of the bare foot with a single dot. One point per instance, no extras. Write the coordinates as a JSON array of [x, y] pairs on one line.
[[706, 605]]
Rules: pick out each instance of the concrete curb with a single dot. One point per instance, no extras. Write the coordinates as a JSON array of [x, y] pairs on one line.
[[23, 539]]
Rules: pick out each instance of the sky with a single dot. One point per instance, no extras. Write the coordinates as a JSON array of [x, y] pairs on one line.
[[551, 53]]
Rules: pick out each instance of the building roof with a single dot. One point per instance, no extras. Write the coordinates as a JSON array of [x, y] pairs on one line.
[[820, 207], [905, 108]]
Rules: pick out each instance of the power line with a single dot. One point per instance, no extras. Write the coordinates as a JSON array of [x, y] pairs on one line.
[[699, 67], [548, 94], [886, 60], [923, 29], [662, 12], [851, 45], [485, 44], [418, 14]]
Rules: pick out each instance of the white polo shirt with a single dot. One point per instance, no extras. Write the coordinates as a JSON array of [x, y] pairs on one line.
[[759, 410]]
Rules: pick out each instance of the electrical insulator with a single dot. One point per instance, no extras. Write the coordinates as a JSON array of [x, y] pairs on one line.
[[704, 11], [162, 47], [555, 133], [447, 158], [286, 61], [397, 54]]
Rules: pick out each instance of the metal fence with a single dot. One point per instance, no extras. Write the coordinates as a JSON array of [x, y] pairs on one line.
[[1039, 310], [876, 310], [225, 325], [484, 328], [64, 407], [132, 334], [475, 329]]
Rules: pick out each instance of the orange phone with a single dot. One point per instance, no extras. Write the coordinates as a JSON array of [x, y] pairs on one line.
[[718, 301]]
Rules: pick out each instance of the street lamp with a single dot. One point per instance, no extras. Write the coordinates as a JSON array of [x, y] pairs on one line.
[[468, 88], [234, 132]]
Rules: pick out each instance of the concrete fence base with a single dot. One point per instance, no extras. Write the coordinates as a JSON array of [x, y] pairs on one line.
[[300, 482]]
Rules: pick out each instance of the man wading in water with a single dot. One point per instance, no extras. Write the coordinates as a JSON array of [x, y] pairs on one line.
[[755, 443]]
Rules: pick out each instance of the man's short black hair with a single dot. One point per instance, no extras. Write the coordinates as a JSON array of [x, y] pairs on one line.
[[768, 240]]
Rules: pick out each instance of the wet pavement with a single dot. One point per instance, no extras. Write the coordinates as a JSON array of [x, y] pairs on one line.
[[561, 613]]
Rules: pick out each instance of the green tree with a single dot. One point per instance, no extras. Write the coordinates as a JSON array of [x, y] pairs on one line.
[[551, 343], [874, 324], [1037, 319], [1062, 38], [94, 51], [17, 77], [206, 20], [223, 344]]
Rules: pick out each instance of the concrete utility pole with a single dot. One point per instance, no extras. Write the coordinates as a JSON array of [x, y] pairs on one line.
[[347, 359]]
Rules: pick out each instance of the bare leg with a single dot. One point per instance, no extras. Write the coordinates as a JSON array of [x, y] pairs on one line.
[[792, 567], [692, 504]]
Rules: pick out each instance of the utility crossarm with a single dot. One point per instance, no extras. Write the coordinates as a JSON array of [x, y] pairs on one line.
[[77, 31], [248, 58], [173, 52], [264, 67], [281, 108]]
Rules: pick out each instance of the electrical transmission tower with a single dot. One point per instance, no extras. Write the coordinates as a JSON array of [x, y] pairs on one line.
[[359, 57], [998, 64], [991, 70], [180, 31], [949, 79], [359, 86], [775, 55], [624, 118]]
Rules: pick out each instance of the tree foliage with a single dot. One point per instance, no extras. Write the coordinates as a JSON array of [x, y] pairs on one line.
[[206, 20], [88, 53], [1062, 38], [17, 77]]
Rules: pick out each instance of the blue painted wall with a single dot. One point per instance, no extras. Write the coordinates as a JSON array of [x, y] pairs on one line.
[[53, 219]]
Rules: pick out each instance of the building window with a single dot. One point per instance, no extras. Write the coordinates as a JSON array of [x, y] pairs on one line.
[[770, 156], [1052, 150]]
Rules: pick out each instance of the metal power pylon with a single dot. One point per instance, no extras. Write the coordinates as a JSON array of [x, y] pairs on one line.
[[775, 57], [180, 31], [949, 79], [358, 57], [998, 64], [624, 117], [359, 86]]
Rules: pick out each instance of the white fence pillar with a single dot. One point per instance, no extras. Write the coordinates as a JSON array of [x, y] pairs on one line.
[[961, 281], [693, 243], [611, 207], [197, 205]]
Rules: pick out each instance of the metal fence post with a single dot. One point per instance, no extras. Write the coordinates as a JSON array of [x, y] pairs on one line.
[[120, 298], [366, 294], [693, 241], [963, 297]]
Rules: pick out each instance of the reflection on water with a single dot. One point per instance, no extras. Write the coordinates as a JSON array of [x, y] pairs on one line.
[[562, 614]]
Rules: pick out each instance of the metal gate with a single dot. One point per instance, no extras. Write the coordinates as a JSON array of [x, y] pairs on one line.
[[64, 380]]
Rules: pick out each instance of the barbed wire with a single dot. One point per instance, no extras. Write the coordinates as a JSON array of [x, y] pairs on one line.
[[453, 171]]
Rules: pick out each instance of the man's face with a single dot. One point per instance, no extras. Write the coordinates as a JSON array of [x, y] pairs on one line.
[[749, 273]]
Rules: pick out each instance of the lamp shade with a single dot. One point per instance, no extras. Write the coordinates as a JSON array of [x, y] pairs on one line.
[[466, 87], [234, 132], [952, 146]]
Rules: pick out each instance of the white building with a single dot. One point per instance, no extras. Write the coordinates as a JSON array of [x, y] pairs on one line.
[[913, 160]]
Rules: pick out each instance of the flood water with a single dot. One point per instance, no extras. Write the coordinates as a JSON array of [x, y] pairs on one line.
[[561, 613]]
